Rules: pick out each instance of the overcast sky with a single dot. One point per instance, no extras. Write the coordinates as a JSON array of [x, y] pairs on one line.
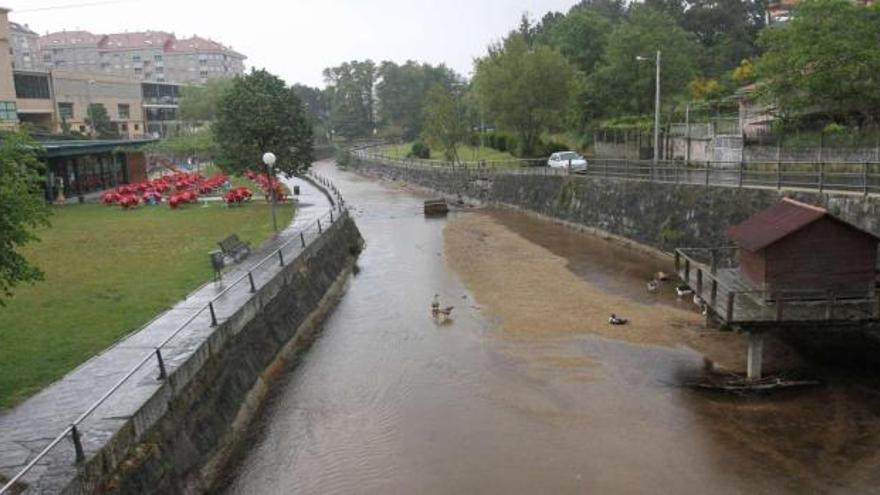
[[297, 39]]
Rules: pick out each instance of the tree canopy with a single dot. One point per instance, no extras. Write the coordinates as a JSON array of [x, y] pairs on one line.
[[525, 88], [445, 125], [622, 84], [402, 91], [825, 59], [199, 103], [350, 87], [259, 113], [22, 209], [100, 122]]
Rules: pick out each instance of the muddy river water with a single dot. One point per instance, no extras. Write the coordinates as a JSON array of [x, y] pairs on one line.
[[525, 389]]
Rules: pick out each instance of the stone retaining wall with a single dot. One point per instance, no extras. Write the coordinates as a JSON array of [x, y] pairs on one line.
[[203, 409], [662, 216]]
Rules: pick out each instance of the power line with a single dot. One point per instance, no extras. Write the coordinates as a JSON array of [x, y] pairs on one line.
[[74, 6]]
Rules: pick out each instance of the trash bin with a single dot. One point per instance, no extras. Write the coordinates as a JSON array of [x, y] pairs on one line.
[[296, 190]]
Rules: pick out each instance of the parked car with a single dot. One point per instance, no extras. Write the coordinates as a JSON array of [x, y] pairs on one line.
[[566, 159]]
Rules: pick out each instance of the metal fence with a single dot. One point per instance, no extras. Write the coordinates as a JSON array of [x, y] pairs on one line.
[[246, 282], [852, 177]]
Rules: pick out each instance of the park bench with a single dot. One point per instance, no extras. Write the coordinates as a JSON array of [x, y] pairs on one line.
[[235, 248]]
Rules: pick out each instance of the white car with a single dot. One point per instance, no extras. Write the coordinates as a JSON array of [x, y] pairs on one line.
[[566, 159]]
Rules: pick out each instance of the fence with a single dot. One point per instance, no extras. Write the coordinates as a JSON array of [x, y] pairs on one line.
[[288, 251], [860, 177]]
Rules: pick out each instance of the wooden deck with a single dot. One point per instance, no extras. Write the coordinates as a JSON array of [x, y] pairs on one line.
[[733, 301]]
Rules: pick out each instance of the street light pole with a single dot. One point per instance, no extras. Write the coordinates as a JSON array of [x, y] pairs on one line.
[[269, 162], [657, 113], [656, 106]]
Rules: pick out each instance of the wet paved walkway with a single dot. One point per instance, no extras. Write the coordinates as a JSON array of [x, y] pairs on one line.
[[28, 428]]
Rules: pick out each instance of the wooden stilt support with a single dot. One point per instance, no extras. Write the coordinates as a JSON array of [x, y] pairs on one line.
[[755, 359]]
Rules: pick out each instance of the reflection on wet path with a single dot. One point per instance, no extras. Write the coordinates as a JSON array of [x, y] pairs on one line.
[[386, 401]]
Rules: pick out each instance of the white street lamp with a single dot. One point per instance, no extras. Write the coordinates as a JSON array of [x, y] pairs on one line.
[[269, 162], [656, 106]]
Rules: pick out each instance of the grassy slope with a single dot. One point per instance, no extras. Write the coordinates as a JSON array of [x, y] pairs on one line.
[[109, 271]]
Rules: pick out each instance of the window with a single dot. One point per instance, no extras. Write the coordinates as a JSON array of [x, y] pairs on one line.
[[160, 70], [157, 57], [124, 110], [135, 58], [124, 127], [30, 86], [82, 128], [137, 127], [47, 57], [65, 110], [138, 70], [8, 112]]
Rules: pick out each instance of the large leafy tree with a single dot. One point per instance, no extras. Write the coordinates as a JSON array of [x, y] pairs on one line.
[[581, 36], [199, 103], [351, 94], [826, 59], [259, 113], [525, 88], [22, 209], [727, 29], [445, 124], [401, 93], [622, 85], [316, 103]]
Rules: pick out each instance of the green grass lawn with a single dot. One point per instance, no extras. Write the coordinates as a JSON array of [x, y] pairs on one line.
[[466, 153], [107, 272]]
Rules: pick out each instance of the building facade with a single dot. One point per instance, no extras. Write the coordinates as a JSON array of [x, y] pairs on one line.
[[148, 56], [25, 47]]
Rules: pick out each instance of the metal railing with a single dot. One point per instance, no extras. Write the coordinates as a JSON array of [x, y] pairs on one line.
[[853, 177], [246, 281]]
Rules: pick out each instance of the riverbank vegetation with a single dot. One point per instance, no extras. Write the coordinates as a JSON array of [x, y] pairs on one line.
[[593, 67], [107, 272]]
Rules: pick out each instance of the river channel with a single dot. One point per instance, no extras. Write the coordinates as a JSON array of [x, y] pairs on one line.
[[388, 400]]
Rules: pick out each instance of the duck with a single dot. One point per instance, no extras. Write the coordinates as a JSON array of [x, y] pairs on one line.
[[699, 300], [661, 276], [683, 290], [616, 320], [653, 285]]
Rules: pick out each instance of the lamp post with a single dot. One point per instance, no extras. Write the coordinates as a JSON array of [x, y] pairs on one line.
[[656, 106], [269, 162], [89, 114]]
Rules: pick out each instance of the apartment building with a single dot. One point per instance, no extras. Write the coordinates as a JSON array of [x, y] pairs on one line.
[[25, 47], [149, 56], [8, 109]]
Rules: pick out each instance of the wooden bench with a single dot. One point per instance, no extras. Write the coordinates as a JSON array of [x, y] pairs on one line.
[[235, 248]]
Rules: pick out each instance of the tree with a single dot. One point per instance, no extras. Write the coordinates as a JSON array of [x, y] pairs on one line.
[[401, 93], [351, 95], [259, 113], [825, 59], [525, 88], [100, 122], [581, 37], [199, 103], [623, 86], [445, 126], [316, 103], [727, 29], [22, 209]]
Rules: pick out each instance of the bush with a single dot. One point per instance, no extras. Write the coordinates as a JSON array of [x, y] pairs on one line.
[[420, 150], [343, 156]]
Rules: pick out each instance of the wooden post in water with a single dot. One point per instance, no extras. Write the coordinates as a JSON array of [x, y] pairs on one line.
[[714, 261], [713, 296], [687, 271], [755, 359], [677, 262]]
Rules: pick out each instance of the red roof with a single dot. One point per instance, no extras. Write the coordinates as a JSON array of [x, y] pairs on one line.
[[768, 226], [144, 39]]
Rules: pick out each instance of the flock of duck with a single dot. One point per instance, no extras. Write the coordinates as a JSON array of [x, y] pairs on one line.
[[681, 291]]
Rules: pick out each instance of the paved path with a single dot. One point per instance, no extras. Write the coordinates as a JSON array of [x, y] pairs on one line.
[[28, 428]]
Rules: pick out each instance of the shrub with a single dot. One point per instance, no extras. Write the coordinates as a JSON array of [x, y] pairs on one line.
[[343, 156], [420, 150]]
